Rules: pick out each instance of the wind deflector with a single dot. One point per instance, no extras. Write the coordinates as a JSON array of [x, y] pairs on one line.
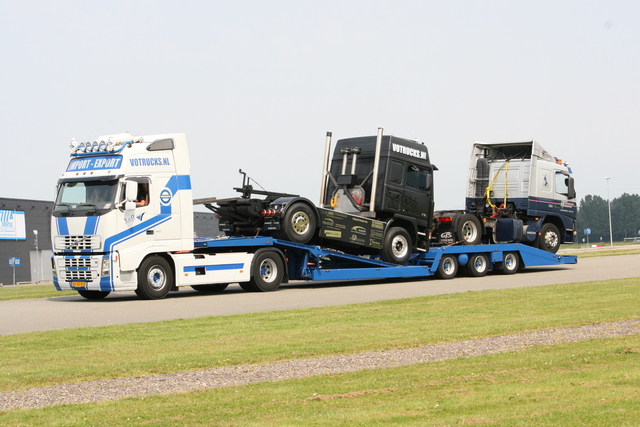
[[161, 144]]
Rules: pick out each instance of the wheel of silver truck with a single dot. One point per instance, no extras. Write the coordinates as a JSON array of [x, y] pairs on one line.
[[478, 265], [510, 263], [448, 267], [155, 278], [396, 247], [549, 238], [93, 295], [219, 287], [299, 224], [468, 230], [267, 271]]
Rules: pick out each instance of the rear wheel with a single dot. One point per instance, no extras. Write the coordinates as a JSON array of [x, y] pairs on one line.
[[468, 230], [267, 272], [155, 278], [93, 295], [210, 288], [448, 267], [299, 223], [396, 247], [549, 238], [478, 265], [510, 263]]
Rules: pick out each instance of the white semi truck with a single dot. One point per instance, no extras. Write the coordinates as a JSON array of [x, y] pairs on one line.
[[123, 220]]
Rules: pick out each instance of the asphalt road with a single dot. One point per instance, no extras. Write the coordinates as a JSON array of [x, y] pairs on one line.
[[18, 316]]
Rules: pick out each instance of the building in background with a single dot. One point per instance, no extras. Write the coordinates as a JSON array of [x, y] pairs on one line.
[[25, 239]]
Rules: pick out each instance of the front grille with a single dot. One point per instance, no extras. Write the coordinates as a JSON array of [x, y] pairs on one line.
[[78, 276], [77, 262], [78, 243]]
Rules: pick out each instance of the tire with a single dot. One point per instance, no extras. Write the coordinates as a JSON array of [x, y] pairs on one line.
[[478, 265], [267, 271], [468, 230], [299, 224], [448, 267], [93, 295], [549, 238], [210, 288], [510, 263], [396, 247], [155, 278]]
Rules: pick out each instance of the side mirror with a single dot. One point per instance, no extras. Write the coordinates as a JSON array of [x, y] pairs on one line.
[[571, 193], [131, 191]]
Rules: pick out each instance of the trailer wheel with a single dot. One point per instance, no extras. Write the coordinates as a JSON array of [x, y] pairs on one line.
[[267, 271], [469, 230], [396, 247], [155, 278], [448, 267], [93, 295], [299, 223], [510, 263], [210, 288], [549, 238], [478, 265]]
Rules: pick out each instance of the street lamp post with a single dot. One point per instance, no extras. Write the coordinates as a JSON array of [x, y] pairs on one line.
[[609, 201]]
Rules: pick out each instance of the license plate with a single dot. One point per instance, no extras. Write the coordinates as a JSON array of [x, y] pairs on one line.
[[77, 285]]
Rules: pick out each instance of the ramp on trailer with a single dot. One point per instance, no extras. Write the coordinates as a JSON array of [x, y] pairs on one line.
[[308, 262]]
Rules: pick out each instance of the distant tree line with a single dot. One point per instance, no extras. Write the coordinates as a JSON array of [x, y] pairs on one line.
[[593, 213]]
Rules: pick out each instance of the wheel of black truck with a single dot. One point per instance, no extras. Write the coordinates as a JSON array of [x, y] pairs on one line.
[[549, 238], [448, 267], [299, 223], [218, 287], [396, 247], [510, 263], [267, 271], [93, 295], [478, 265], [155, 278], [468, 230]]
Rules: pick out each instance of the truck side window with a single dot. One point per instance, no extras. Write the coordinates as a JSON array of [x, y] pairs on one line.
[[417, 178], [562, 183], [396, 172], [143, 195]]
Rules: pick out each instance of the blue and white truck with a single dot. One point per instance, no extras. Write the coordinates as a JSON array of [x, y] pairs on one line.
[[123, 220]]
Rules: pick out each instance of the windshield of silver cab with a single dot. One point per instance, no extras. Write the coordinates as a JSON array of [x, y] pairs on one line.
[[85, 198]]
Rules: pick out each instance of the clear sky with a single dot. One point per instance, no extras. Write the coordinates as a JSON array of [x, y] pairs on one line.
[[257, 84]]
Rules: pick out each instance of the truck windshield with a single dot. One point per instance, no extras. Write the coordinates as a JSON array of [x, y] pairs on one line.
[[85, 197]]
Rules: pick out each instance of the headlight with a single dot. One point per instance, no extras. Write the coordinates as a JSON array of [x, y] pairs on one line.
[[106, 267]]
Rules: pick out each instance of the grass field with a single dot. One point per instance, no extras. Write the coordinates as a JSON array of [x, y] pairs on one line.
[[587, 383]]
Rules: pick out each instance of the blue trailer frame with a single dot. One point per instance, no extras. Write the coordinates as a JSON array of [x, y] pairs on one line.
[[315, 263]]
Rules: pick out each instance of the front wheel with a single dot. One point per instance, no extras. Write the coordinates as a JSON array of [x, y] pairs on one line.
[[267, 272], [396, 247], [549, 238], [155, 278]]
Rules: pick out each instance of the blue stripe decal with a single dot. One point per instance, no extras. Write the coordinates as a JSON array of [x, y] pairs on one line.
[[63, 227], [214, 267], [91, 226]]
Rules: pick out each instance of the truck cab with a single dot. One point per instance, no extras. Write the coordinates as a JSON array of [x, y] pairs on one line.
[[516, 192], [120, 201]]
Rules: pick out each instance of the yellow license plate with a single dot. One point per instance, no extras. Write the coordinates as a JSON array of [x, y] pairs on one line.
[[81, 285]]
